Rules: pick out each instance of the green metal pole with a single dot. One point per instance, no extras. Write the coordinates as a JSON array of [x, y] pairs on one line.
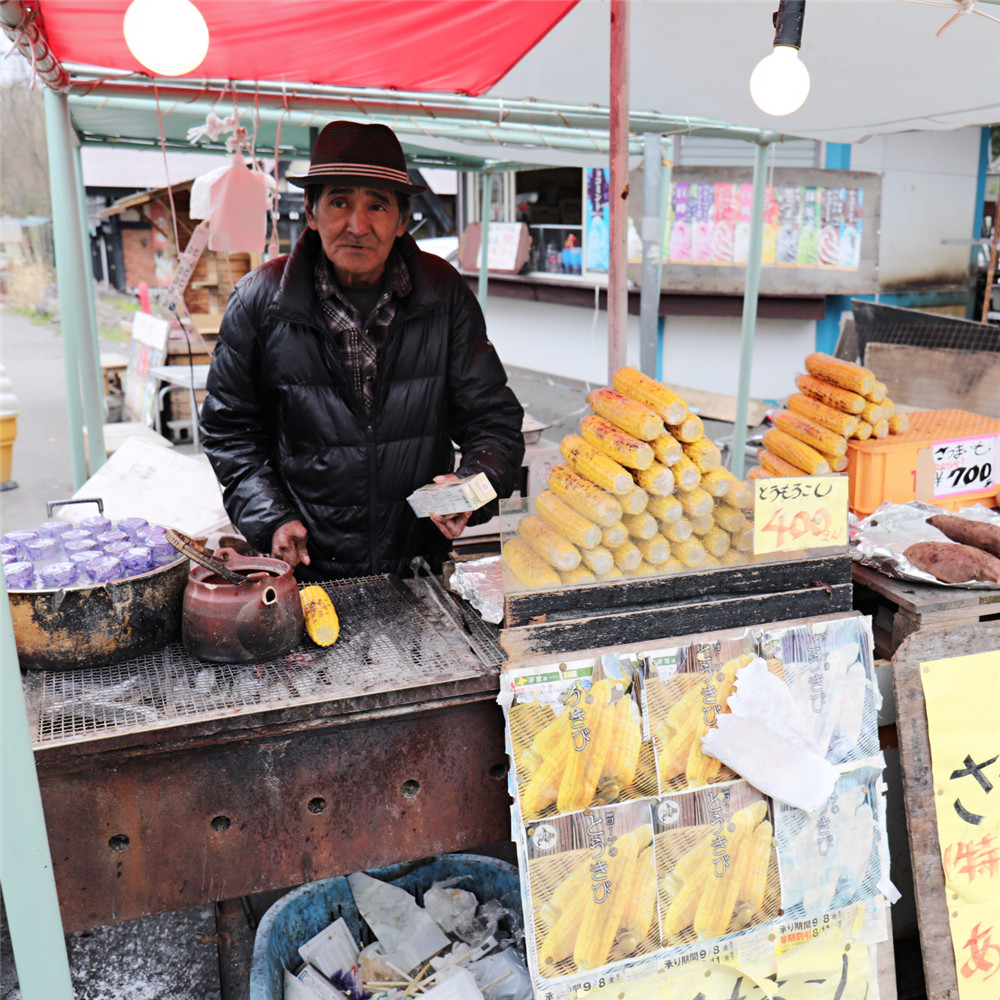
[[29, 886], [90, 349], [484, 238], [737, 458], [73, 305]]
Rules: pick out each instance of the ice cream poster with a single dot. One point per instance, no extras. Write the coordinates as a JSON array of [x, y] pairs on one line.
[[964, 735], [597, 218]]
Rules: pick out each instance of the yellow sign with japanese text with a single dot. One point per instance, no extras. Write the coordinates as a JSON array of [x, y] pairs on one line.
[[963, 726], [799, 512]]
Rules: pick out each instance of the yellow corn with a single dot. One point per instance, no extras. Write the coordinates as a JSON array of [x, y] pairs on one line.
[[568, 522], [546, 542], [718, 900], [655, 550], [754, 888], [321, 621], [826, 416], [634, 502], [615, 443], [532, 571], [703, 523], [718, 481], [673, 565], [837, 463], [701, 768], [696, 501], [645, 569], [586, 720], [742, 538], [598, 560], [881, 429], [715, 541], [830, 394], [687, 475], [732, 557], [588, 462], [577, 576], [730, 518], [692, 865], [672, 751], [899, 423], [542, 788], [640, 525], [628, 414], [664, 402], [799, 454], [740, 495], [612, 573], [864, 431], [640, 907], [872, 413], [568, 894], [813, 434], [846, 374], [667, 449], [627, 557], [689, 430], [584, 497], [558, 944], [756, 472], [667, 509], [603, 914], [657, 479], [877, 393], [677, 531], [704, 453], [614, 536], [544, 742], [690, 552], [775, 465], [623, 758]]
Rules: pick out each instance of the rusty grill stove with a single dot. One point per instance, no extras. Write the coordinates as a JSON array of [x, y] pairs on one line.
[[388, 637]]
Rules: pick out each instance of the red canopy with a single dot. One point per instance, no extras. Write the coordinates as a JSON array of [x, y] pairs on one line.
[[461, 46]]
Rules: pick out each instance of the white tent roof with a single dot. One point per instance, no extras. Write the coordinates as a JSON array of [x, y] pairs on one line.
[[876, 65]]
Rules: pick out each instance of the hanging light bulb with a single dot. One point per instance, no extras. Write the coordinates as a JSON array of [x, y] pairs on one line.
[[169, 37], [779, 83]]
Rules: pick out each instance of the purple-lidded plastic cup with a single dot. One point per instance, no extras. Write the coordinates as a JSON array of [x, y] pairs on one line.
[[60, 574], [8, 558], [138, 559], [150, 529], [117, 548], [20, 539], [88, 544], [109, 537], [82, 557], [131, 526], [103, 569], [95, 525], [41, 549], [19, 575], [8, 549], [53, 529], [163, 551], [75, 535]]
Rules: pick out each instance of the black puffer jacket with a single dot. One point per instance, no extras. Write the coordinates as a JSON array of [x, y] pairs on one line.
[[288, 439]]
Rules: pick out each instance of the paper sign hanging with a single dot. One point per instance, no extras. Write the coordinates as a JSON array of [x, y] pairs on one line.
[[235, 200], [799, 512]]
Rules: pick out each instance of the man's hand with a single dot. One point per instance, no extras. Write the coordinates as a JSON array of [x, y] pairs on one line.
[[450, 525], [289, 543]]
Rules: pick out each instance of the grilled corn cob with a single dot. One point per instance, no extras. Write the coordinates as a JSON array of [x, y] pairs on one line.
[[321, 621], [813, 434], [584, 497], [832, 395], [792, 450], [667, 509], [577, 576], [687, 475], [548, 544], [846, 374], [529, 568], [628, 414], [689, 430], [627, 557], [615, 443], [640, 525], [826, 416], [614, 536], [657, 479], [598, 560], [696, 501], [594, 465], [635, 501], [664, 402], [567, 521], [666, 448], [655, 550], [704, 453]]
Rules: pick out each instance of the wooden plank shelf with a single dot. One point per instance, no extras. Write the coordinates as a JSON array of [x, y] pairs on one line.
[[901, 607], [635, 611]]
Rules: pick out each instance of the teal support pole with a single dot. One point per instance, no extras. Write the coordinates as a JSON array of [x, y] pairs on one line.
[[73, 303], [737, 458], [26, 876], [91, 381], [977, 222], [484, 239], [655, 199]]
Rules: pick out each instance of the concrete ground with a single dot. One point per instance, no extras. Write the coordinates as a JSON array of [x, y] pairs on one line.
[[174, 956]]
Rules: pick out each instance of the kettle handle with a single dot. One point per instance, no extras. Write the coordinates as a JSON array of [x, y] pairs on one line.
[[51, 505]]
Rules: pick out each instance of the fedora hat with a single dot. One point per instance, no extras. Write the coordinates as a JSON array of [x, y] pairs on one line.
[[358, 154]]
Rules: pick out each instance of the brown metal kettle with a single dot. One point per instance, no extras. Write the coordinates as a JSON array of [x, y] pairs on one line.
[[257, 618]]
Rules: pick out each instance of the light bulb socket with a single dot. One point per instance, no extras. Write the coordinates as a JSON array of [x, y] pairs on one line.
[[788, 20]]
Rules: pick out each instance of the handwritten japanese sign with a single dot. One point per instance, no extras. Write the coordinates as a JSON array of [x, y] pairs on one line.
[[966, 465], [802, 512], [964, 736]]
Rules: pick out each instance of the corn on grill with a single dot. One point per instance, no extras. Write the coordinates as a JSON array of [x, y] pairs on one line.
[[388, 638]]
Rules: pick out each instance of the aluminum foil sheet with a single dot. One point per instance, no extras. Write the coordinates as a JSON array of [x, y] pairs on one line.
[[480, 582], [881, 538]]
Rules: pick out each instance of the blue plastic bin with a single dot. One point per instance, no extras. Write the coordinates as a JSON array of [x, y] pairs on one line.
[[305, 911]]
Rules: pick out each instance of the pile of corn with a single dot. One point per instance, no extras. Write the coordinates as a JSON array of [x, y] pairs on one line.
[[837, 401], [642, 492]]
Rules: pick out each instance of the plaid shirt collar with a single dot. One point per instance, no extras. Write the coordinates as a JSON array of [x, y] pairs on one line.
[[397, 283]]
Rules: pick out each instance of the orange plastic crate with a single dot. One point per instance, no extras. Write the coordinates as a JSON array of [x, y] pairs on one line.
[[887, 469]]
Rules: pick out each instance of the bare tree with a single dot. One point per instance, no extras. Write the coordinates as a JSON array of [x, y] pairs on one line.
[[24, 167]]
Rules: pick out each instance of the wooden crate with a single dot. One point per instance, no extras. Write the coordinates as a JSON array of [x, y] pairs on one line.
[[634, 611], [901, 607]]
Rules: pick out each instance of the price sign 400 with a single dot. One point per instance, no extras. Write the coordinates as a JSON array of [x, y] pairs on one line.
[[793, 529], [796, 513]]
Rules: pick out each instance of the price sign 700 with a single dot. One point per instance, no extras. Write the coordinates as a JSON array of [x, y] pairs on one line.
[[806, 512], [966, 465]]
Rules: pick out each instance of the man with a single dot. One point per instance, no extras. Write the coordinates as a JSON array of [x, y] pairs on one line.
[[343, 373]]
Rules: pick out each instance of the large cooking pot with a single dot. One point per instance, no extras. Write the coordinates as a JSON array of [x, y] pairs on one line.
[[257, 619]]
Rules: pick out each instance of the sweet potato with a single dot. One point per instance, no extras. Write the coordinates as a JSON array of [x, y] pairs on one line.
[[966, 531], [954, 563]]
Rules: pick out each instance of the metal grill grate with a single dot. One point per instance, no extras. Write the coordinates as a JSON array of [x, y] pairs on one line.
[[386, 639]]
